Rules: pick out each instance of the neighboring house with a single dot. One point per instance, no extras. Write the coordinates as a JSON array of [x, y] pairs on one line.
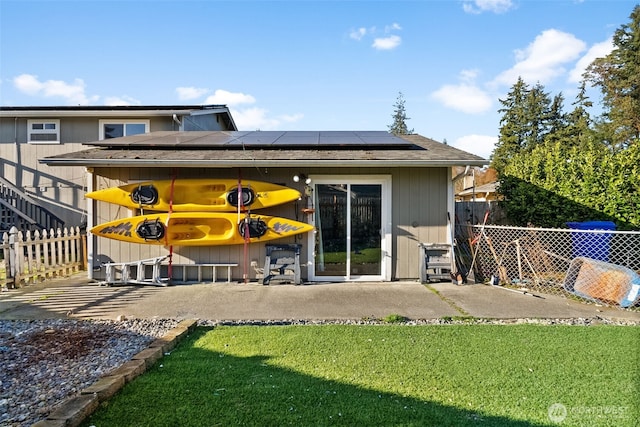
[[37, 196], [366, 192], [481, 193]]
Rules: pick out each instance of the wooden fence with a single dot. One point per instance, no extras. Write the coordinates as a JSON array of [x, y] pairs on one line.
[[38, 256]]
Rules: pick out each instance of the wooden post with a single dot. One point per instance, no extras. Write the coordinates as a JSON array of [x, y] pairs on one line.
[[67, 253], [46, 261], [84, 252], [74, 248], [59, 253], [13, 268], [38, 255], [29, 267]]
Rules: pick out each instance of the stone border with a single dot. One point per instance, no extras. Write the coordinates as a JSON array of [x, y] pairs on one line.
[[74, 410]]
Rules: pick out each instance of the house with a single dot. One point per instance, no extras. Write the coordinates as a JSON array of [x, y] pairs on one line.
[[372, 197], [38, 196], [480, 193]]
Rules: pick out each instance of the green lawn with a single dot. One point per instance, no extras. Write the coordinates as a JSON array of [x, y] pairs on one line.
[[388, 375]]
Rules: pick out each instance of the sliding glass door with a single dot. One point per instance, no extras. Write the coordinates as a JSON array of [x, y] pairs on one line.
[[352, 219]]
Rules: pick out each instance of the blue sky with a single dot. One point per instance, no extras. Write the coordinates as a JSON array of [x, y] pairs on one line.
[[306, 65]]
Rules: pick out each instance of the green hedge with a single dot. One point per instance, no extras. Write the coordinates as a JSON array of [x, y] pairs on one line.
[[553, 184]]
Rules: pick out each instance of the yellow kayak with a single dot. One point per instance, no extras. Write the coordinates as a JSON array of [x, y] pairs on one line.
[[196, 195], [199, 229]]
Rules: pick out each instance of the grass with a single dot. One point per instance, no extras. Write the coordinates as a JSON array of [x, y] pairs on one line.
[[386, 375], [364, 256]]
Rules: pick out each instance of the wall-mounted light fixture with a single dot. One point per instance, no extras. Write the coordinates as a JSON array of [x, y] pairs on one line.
[[302, 177]]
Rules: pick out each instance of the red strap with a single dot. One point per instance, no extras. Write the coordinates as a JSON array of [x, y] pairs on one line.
[[245, 274], [166, 234]]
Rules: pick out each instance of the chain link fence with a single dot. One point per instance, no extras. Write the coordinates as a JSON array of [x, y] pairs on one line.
[[601, 266]]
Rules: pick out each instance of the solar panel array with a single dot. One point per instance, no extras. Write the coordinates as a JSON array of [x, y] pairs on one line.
[[257, 139]]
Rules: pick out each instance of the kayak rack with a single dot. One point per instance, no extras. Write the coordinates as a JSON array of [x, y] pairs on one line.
[[199, 268], [119, 273], [122, 273]]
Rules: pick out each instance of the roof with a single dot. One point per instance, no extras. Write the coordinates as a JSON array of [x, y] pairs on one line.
[[103, 110], [120, 111], [490, 187], [225, 149]]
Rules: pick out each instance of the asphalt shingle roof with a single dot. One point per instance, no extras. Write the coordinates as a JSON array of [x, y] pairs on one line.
[[410, 150]]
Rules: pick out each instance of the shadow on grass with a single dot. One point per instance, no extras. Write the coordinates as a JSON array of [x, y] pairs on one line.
[[206, 388]]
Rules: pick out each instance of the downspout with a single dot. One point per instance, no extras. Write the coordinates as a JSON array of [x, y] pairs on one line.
[[16, 180], [463, 174], [473, 184], [451, 210], [176, 120], [451, 217]]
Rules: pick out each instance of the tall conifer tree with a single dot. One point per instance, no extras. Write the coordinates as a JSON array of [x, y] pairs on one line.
[[399, 126]]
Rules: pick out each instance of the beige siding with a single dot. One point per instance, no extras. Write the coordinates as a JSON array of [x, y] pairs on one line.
[[419, 214], [58, 189]]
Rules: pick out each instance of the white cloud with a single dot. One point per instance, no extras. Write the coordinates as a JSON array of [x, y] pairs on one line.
[[121, 100], [188, 93], [253, 119], [480, 145], [292, 118], [544, 59], [479, 6], [221, 96], [74, 93], [358, 34], [465, 96], [598, 50], [386, 43], [249, 118], [393, 27]]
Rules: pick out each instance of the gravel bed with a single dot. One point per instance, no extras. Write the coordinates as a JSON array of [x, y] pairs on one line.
[[42, 362]]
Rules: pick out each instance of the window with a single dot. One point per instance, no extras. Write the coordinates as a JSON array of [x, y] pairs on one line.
[[118, 128], [43, 131]]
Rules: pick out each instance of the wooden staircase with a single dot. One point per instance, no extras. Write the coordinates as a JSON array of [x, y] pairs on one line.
[[19, 209]]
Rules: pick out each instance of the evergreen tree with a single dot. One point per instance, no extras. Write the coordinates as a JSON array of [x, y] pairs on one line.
[[556, 167], [578, 131], [399, 126], [512, 126], [557, 121], [618, 76], [537, 110]]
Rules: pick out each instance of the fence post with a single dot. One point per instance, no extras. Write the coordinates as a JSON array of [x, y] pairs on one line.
[[59, 253], [46, 256], [14, 259], [28, 267], [38, 255]]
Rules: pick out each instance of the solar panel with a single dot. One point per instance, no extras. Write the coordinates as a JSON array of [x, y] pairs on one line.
[[258, 139]]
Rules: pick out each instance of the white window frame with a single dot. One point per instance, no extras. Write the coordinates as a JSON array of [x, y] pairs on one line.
[[43, 131], [103, 122]]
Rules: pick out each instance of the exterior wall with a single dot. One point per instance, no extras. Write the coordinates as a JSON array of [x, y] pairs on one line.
[[419, 215], [58, 189]]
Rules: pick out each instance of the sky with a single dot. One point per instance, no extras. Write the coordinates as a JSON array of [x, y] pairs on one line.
[[307, 65]]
